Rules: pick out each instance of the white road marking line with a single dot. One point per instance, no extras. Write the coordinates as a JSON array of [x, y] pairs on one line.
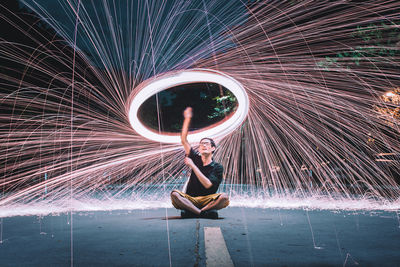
[[216, 252]]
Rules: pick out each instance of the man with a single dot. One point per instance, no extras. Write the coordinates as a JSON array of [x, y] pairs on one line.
[[200, 199]]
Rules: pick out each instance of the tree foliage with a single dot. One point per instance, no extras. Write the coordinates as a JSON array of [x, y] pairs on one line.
[[375, 43]]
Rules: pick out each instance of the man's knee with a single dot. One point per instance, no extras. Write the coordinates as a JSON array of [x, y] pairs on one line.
[[175, 195], [175, 199], [224, 199]]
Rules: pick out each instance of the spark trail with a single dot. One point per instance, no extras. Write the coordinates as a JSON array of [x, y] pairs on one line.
[[306, 111]]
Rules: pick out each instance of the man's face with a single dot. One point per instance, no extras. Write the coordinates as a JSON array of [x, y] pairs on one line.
[[205, 147]]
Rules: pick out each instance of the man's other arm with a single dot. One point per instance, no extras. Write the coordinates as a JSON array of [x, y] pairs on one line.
[[202, 178]]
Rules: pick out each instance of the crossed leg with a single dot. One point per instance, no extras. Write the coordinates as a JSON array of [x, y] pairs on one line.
[[221, 202], [185, 204]]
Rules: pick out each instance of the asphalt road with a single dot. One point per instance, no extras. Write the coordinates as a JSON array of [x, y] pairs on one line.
[[253, 237]]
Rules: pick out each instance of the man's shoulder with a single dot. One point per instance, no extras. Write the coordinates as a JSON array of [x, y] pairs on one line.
[[217, 165]]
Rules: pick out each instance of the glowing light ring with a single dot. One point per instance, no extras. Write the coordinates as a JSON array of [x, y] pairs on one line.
[[172, 79]]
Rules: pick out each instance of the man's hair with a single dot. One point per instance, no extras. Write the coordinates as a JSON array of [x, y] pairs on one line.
[[211, 141]]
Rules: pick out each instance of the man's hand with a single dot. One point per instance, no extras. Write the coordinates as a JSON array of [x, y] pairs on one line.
[[188, 113], [189, 162]]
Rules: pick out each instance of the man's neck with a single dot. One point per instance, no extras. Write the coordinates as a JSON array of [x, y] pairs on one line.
[[206, 158]]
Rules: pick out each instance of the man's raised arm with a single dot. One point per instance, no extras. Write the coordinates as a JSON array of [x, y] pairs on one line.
[[187, 114]]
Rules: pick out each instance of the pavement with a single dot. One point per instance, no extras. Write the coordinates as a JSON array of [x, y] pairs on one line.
[[252, 237]]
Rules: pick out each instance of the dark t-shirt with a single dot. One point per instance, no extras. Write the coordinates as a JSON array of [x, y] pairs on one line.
[[212, 171]]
